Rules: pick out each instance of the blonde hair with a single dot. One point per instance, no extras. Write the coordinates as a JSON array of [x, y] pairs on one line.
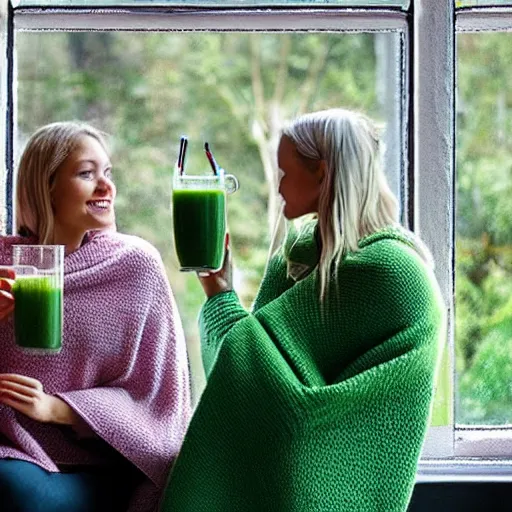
[[355, 198], [44, 153]]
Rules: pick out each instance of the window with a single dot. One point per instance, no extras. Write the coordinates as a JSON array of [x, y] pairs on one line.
[[483, 236], [484, 229], [233, 89], [227, 73]]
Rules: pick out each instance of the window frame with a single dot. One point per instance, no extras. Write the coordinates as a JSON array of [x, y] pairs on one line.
[[483, 441], [277, 20], [195, 4], [270, 21], [451, 453], [6, 106]]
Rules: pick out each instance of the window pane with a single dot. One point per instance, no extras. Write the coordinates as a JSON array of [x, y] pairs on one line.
[[233, 90], [212, 3], [484, 229]]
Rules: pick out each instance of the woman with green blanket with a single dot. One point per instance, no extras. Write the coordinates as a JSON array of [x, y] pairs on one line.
[[319, 399]]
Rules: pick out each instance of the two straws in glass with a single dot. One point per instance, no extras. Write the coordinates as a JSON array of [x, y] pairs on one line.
[[183, 151]]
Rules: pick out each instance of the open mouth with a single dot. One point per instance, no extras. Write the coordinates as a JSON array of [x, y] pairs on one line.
[[101, 205]]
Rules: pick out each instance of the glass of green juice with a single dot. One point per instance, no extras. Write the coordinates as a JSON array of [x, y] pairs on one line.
[[199, 219], [38, 291]]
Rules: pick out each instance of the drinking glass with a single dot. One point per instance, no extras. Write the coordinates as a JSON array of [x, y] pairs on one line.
[[199, 218], [38, 296]]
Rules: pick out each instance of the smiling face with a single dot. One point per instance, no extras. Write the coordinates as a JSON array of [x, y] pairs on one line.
[[301, 178], [83, 193]]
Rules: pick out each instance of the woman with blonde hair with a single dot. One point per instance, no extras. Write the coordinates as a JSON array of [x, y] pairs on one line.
[[319, 399], [96, 426]]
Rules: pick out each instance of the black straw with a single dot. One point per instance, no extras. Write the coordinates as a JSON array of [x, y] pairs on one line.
[[182, 153], [212, 161]]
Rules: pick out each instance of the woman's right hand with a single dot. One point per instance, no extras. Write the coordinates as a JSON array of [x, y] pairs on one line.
[[6, 298], [214, 283]]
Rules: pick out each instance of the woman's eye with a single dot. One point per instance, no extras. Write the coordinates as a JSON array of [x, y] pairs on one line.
[[85, 173]]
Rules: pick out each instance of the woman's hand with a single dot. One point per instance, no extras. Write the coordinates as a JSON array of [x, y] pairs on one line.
[[6, 298], [214, 283], [26, 395]]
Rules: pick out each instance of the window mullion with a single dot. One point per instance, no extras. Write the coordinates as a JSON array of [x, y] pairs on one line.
[[6, 113], [434, 136]]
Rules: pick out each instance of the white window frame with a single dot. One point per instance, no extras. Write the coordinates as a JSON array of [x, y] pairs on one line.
[[434, 164], [450, 453], [5, 64]]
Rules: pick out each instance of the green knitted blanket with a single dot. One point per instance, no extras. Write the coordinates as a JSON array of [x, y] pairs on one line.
[[310, 408]]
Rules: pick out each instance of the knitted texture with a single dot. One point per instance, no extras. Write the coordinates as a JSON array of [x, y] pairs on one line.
[[123, 366], [312, 408]]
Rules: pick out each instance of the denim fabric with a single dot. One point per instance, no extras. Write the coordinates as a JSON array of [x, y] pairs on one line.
[[26, 487]]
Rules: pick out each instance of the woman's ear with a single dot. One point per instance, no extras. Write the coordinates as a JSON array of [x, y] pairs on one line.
[[321, 170]]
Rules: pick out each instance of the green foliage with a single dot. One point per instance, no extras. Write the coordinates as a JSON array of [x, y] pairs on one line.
[[484, 231], [147, 89], [484, 396], [234, 90]]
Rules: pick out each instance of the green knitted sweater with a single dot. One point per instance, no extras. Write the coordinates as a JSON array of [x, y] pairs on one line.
[[310, 408]]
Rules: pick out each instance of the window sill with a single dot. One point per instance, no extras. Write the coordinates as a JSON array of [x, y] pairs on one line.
[[464, 470], [483, 442], [477, 454]]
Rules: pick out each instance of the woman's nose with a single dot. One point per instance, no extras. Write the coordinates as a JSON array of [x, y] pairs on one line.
[[103, 184]]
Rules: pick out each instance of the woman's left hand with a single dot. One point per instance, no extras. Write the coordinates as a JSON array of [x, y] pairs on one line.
[[26, 395], [214, 283]]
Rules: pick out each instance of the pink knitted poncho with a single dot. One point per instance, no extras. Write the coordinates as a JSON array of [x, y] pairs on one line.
[[123, 366]]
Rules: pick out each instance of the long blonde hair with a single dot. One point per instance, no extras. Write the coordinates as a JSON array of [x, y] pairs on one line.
[[44, 153], [355, 198]]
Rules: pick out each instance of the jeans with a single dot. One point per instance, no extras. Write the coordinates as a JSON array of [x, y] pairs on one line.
[[26, 487]]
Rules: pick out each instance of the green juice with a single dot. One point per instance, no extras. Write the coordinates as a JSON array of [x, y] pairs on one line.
[[199, 228], [37, 313]]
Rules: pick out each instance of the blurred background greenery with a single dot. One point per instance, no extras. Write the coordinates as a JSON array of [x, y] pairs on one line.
[[235, 90]]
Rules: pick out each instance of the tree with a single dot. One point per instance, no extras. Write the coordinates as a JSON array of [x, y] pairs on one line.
[[233, 90], [484, 232]]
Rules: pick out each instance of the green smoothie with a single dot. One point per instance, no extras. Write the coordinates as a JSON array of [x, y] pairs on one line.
[[199, 228], [37, 313]]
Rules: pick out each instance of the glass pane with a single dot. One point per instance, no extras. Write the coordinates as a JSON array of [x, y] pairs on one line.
[[484, 229], [213, 3], [230, 89]]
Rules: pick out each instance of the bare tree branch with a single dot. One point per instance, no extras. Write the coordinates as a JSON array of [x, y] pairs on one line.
[[256, 79], [309, 85], [226, 94], [282, 71]]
